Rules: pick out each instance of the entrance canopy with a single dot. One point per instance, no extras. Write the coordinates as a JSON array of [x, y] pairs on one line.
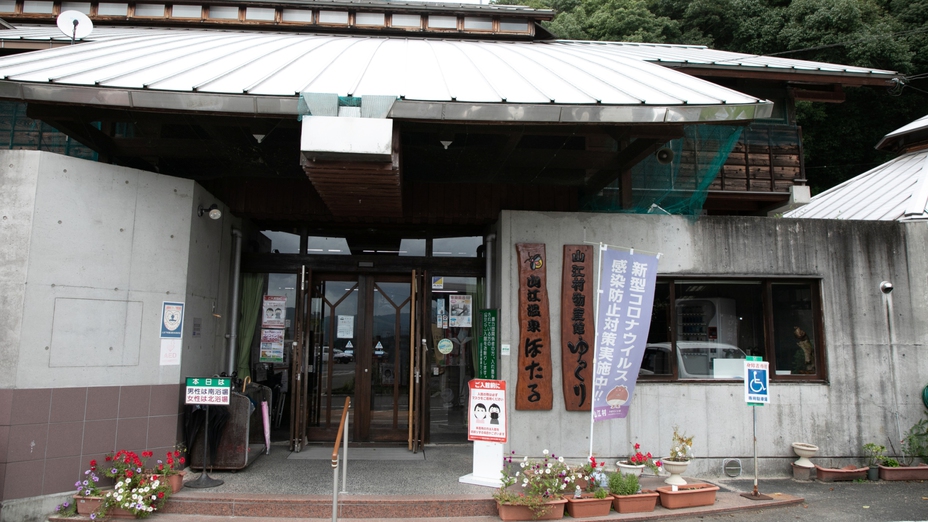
[[263, 73]]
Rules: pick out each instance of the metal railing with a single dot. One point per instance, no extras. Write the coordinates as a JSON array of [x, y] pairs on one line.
[[342, 432]]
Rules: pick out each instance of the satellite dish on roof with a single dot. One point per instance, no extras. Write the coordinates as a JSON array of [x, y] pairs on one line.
[[74, 24]]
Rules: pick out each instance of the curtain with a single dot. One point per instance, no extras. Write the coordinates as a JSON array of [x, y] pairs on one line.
[[252, 289]]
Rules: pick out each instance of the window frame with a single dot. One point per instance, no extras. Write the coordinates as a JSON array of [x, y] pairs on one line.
[[767, 282]]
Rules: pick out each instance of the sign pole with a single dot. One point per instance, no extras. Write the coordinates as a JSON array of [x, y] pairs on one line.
[[756, 388], [205, 481]]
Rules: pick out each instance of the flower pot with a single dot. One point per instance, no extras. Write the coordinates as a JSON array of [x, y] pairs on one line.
[[643, 502], [554, 510], [919, 472], [87, 505], [688, 495], [676, 468], [118, 512], [176, 481], [630, 469], [588, 506], [834, 475], [805, 451], [873, 473]]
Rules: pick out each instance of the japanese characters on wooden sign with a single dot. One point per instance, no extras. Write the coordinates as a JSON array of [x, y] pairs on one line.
[[577, 327], [534, 390]]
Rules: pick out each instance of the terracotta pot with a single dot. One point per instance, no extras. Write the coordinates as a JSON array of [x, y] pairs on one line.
[[919, 472], [554, 510], [834, 475], [588, 506], [688, 495], [118, 512], [176, 481], [87, 505], [643, 502]]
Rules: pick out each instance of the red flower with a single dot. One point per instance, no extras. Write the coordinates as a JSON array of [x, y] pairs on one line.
[[160, 467], [177, 453], [637, 446], [182, 460], [128, 473], [161, 494]]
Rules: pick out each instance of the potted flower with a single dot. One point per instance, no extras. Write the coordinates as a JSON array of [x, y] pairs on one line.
[[590, 499], [171, 468], [139, 495], [874, 454], [627, 495], [914, 445], [89, 496], [637, 462], [681, 451], [535, 489]]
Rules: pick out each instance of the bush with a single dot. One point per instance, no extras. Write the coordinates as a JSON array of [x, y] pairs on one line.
[[915, 443], [624, 484]]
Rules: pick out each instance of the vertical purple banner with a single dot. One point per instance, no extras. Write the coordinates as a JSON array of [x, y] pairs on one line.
[[626, 294]]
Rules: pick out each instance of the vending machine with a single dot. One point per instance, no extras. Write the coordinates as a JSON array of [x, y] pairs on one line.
[[707, 319]]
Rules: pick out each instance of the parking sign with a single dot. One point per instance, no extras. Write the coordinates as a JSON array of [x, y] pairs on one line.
[[756, 382]]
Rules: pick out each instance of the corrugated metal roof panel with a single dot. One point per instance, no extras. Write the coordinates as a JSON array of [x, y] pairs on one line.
[[412, 69], [885, 193]]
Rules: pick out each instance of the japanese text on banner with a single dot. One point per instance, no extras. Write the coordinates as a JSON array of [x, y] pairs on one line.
[[626, 294]]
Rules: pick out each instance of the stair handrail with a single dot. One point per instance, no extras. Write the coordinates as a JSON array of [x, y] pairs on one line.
[[342, 431]]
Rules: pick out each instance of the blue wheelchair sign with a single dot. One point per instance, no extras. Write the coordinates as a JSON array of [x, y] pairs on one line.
[[756, 383]]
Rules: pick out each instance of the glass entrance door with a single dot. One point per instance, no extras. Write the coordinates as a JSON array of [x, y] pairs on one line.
[[361, 350]]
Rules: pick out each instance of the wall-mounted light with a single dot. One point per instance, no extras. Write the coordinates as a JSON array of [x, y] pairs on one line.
[[213, 211]]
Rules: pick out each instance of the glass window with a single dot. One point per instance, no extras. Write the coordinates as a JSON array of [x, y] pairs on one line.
[[412, 247], [704, 329], [330, 246], [282, 242], [456, 246]]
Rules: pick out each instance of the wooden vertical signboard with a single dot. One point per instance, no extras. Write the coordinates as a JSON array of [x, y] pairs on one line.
[[534, 390], [577, 327]]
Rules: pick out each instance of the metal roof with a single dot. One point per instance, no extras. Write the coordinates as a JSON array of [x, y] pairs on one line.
[[907, 134], [263, 72], [895, 191], [701, 56]]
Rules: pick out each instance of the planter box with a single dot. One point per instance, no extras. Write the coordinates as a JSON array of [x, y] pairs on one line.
[[919, 472], [589, 506], [688, 495], [554, 511], [643, 502], [845, 473], [87, 505]]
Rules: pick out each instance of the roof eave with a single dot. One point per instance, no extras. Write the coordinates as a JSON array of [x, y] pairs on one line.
[[277, 106]]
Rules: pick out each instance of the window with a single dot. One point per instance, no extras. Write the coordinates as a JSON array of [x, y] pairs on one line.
[[704, 328]]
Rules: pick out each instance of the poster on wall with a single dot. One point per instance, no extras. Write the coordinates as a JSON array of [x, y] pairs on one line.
[[275, 311], [487, 340], [623, 319], [461, 315], [345, 328], [272, 346], [170, 352], [487, 406], [172, 320]]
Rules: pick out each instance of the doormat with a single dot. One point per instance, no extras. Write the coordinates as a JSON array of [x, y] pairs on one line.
[[321, 453]]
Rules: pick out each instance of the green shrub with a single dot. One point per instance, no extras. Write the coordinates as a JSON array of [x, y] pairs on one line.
[[623, 484]]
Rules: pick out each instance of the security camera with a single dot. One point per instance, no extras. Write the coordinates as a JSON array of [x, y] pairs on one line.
[[886, 287]]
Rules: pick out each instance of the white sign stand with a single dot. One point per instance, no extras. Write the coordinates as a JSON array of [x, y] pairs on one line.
[[488, 465]]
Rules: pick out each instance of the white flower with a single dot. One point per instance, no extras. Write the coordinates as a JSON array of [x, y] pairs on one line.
[[548, 471], [545, 452], [522, 464], [560, 459]]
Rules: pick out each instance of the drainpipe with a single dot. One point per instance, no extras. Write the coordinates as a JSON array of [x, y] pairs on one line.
[[489, 243], [232, 336], [886, 289]]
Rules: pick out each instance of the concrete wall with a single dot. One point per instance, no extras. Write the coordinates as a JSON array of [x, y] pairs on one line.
[[90, 252], [857, 405]]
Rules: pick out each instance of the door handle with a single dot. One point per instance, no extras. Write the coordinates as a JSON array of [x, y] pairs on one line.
[[365, 370]]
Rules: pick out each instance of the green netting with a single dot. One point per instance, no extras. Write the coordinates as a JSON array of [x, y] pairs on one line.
[[18, 131], [679, 186]]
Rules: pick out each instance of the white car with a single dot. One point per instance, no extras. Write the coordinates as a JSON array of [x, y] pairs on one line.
[[695, 360]]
